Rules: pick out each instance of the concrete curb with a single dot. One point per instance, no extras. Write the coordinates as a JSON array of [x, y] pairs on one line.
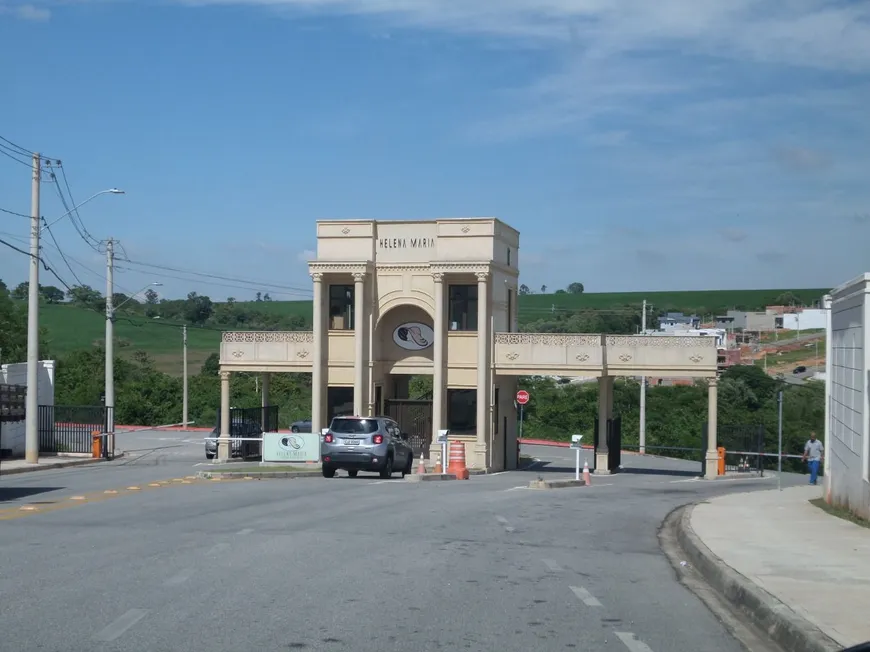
[[429, 477], [57, 465], [556, 484], [786, 628], [269, 475]]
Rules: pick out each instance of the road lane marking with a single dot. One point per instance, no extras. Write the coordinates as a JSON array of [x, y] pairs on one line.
[[132, 488], [552, 566], [180, 577], [246, 531], [632, 642], [121, 625], [585, 597]]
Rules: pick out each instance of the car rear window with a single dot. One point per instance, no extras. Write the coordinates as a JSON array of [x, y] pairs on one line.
[[354, 426]]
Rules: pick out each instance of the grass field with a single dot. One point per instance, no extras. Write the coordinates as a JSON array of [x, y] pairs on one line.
[[535, 305], [72, 328]]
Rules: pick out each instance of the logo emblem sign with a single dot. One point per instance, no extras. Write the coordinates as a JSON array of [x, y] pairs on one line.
[[291, 442], [413, 336]]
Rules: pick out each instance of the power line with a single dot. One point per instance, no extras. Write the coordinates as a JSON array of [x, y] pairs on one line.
[[14, 146], [10, 153], [206, 282], [60, 251], [4, 210], [255, 283]]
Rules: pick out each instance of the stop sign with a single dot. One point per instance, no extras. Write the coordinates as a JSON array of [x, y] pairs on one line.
[[522, 397]]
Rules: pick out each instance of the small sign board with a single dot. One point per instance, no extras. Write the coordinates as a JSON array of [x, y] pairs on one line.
[[576, 441], [291, 447], [442, 436], [522, 397]]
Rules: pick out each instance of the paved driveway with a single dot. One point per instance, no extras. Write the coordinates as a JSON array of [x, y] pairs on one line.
[[345, 564]]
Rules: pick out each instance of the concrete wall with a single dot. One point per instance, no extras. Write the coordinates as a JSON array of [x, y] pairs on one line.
[[848, 370], [12, 433], [805, 320]]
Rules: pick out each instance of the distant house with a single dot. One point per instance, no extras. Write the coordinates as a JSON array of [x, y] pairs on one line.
[[677, 320], [747, 321]]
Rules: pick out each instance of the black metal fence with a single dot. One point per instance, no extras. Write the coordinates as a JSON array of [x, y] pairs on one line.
[[743, 444], [70, 428], [614, 443], [414, 417], [248, 425]]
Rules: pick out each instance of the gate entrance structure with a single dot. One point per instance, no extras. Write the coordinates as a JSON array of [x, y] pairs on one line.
[[70, 428], [394, 299], [608, 448]]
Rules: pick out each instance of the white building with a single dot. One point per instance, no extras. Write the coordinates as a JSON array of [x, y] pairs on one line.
[[807, 319], [12, 432], [847, 431]]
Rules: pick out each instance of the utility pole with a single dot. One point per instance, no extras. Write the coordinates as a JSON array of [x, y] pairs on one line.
[[110, 340], [184, 404], [31, 426], [643, 390]]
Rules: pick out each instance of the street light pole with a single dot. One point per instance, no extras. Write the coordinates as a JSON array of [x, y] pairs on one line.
[[31, 423], [110, 339], [184, 404], [642, 434]]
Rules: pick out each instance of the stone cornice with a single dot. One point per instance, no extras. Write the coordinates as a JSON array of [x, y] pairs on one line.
[[339, 267]]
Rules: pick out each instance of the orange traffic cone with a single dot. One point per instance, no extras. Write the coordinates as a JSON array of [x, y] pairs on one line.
[[421, 467], [587, 478]]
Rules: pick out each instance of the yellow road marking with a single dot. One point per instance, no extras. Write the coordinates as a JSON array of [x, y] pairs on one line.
[[19, 511]]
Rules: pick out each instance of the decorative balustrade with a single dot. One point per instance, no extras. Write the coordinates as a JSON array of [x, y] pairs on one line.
[[570, 354], [290, 349], [514, 353]]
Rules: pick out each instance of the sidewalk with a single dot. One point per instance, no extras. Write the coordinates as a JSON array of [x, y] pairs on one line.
[[12, 467], [813, 569]]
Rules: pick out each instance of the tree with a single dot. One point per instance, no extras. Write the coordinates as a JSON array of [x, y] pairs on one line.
[[259, 296], [543, 289], [197, 309], [84, 295], [575, 288], [266, 297], [151, 297], [13, 329], [51, 294], [21, 291], [524, 289]]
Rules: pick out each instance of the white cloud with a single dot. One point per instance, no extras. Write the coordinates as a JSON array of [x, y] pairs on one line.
[[305, 255], [26, 12], [816, 33]]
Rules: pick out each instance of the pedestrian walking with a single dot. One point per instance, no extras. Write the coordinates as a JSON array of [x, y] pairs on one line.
[[814, 453]]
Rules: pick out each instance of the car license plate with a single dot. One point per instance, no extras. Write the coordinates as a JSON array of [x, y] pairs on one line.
[[351, 442]]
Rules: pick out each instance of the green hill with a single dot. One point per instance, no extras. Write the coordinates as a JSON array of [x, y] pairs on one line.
[[72, 328]]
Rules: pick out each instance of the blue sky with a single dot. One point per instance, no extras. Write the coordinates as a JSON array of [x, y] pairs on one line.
[[676, 144]]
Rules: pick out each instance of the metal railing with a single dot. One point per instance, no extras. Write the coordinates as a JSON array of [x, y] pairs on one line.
[[70, 428]]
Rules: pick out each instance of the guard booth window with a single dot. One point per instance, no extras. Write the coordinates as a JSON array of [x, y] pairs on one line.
[[341, 305], [463, 308]]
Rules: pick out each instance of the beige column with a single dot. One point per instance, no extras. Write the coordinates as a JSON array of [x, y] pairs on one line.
[[439, 389], [359, 330], [482, 359], [711, 466], [223, 447], [317, 371]]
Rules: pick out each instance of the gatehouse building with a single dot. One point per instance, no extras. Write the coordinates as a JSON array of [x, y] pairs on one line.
[[397, 300]]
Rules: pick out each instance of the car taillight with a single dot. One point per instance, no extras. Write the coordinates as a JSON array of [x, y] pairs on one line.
[[378, 439], [328, 438]]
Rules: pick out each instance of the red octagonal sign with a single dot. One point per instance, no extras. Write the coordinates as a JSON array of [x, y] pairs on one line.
[[522, 397]]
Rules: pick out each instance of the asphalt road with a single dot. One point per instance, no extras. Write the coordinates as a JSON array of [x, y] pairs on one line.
[[345, 564]]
